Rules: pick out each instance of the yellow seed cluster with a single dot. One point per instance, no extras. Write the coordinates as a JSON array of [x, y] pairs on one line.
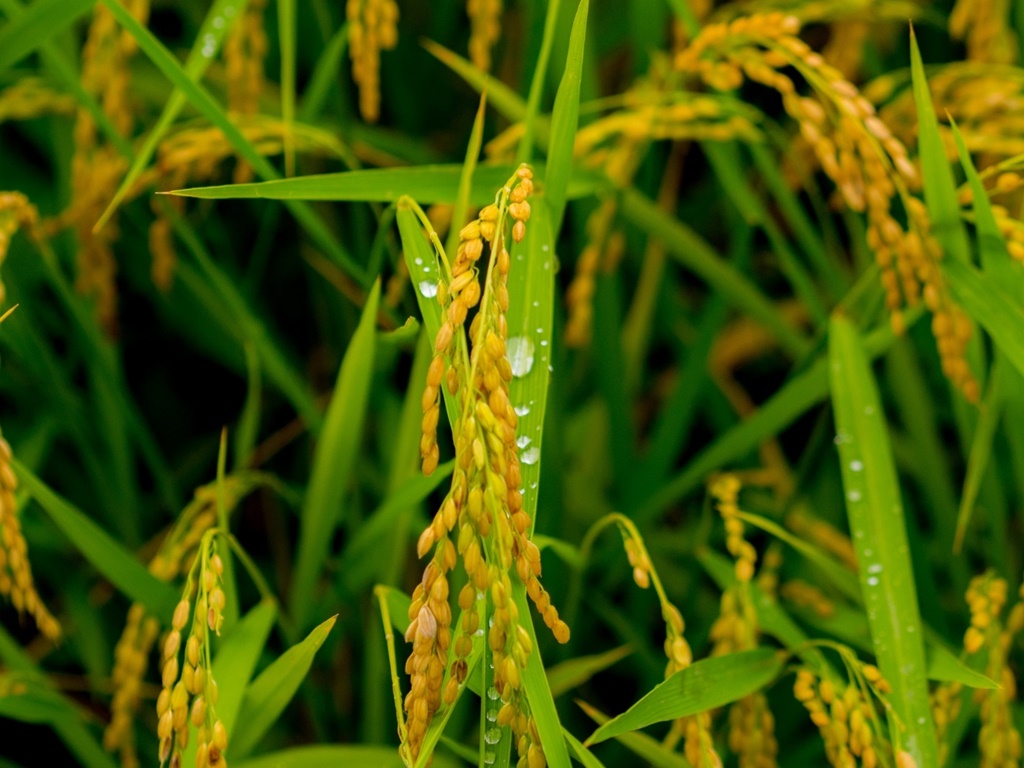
[[16, 212], [805, 595], [176, 554], [130, 656], [752, 732], [16, 583], [31, 97], [485, 29], [946, 702], [372, 28], [725, 489], [244, 52], [191, 696], [986, 27], [824, 535], [604, 245], [483, 509], [845, 49], [844, 718], [999, 741], [97, 169], [855, 149], [768, 576]]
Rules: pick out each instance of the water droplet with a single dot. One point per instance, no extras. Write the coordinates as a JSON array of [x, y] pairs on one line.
[[544, 343], [872, 581], [418, 261], [520, 354], [492, 735], [522, 410], [530, 456], [489, 757], [533, 486], [841, 438], [545, 247], [536, 303], [218, 22], [875, 568], [522, 441], [854, 495], [479, 632], [426, 269], [492, 715], [856, 465], [492, 693], [428, 288]]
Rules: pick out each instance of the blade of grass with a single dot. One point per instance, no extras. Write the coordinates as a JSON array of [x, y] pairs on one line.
[[696, 255], [875, 512], [37, 25], [219, 20], [426, 184], [118, 566], [268, 695], [563, 677], [324, 76], [981, 451], [286, 40], [704, 685], [466, 177], [334, 460], [201, 99], [249, 421], [564, 119], [797, 396], [939, 187], [531, 115]]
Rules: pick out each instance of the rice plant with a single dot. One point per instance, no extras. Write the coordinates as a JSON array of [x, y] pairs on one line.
[[298, 299]]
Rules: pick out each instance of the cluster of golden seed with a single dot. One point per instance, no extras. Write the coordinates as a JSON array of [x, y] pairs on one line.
[[130, 656], [16, 581], [768, 576], [987, 28], [1005, 183], [191, 697], [244, 52], [844, 718], [485, 29], [605, 245], [846, 45], [855, 149], [16, 212], [806, 595], [31, 97], [999, 741], [725, 490], [484, 505], [824, 535], [97, 169], [946, 701], [372, 27], [985, 101], [176, 554], [752, 732], [692, 118]]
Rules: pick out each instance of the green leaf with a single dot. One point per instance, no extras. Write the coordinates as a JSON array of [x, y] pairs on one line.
[[117, 565], [779, 411], [334, 459], [531, 290], [334, 756], [38, 24], [535, 127], [704, 685], [237, 657], [879, 533], [268, 695], [696, 255], [201, 99], [945, 667], [581, 753], [984, 299], [426, 184], [939, 186], [646, 747], [219, 20], [574, 672], [564, 119]]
